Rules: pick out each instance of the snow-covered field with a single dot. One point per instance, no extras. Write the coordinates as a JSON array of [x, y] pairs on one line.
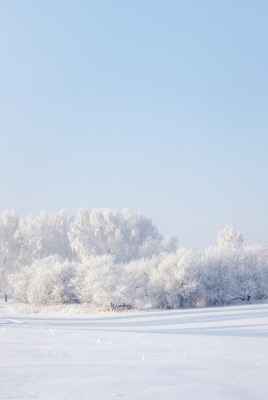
[[212, 353]]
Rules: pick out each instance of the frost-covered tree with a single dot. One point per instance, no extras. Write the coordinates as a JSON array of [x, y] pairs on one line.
[[230, 273], [123, 234], [251, 273], [219, 264], [102, 282], [229, 238], [217, 275], [121, 260], [44, 235], [174, 282], [140, 272], [169, 244], [9, 245], [45, 282]]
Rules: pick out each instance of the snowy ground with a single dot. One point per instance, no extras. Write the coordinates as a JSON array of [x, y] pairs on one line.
[[219, 353]]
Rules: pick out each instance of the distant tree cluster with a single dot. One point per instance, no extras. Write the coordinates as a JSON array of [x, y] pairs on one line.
[[118, 260]]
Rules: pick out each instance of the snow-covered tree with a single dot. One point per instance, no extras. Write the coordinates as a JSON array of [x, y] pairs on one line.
[[174, 282], [140, 273], [122, 234], [217, 275], [9, 245], [45, 282], [102, 282], [44, 235], [230, 273], [114, 259], [229, 238], [251, 273]]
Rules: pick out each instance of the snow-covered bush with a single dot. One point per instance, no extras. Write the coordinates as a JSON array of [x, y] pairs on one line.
[[102, 282], [45, 282], [231, 273], [140, 272], [217, 275], [19, 283], [174, 280], [251, 273]]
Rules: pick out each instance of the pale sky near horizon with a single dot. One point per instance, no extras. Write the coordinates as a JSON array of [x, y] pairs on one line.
[[157, 106]]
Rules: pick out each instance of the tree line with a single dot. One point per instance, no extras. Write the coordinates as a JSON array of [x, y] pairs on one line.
[[118, 259]]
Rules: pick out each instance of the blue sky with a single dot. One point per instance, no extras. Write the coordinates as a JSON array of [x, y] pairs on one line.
[[158, 106]]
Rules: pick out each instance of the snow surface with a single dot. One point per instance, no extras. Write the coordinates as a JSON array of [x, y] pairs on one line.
[[206, 353]]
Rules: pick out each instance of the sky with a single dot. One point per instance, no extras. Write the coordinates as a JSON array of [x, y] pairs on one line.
[[154, 105]]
